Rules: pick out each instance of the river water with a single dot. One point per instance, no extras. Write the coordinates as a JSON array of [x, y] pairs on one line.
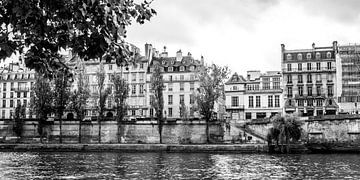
[[75, 165]]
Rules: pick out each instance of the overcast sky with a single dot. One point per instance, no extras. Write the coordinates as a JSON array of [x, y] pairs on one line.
[[246, 34]]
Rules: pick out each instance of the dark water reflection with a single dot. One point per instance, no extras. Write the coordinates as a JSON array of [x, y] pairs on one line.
[[19, 165]]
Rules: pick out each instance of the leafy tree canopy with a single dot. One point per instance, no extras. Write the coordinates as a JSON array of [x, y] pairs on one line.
[[89, 28]]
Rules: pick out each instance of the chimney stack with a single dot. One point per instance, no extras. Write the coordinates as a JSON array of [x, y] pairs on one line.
[[148, 51], [202, 60], [313, 45], [164, 54], [282, 47]]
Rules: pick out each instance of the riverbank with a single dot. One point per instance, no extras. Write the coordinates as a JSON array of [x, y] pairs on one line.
[[235, 148]]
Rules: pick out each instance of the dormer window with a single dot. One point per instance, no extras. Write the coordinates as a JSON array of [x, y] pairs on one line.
[[182, 68], [299, 56], [328, 55], [235, 88], [308, 56], [318, 55], [192, 68], [170, 69], [163, 62], [172, 62], [288, 57]]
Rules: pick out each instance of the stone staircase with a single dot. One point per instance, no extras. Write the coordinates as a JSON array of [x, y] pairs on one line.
[[247, 130]]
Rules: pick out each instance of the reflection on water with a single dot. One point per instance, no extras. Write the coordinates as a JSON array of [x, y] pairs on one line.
[[74, 165]]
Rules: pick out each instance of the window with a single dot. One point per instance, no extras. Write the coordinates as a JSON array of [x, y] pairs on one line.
[[25, 102], [330, 91], [141, 66], [192, 99], [308, 56], [328, 65], [11, 95], [251, 101], [4, 87], [133, 89], [301, 102], [309, 91], [300, 67], [289, 92], [329, 77], [309, 78], [308, 66], [309, 102], [318, 55], [328, 55], [299, 56], [288, 57], [192, 86], [133, 112], [235, 101], [300, 91], [270, 101], [289, 79], [170, 112], [3, 113], [318, 66], [289, 67], [110, 66], [260, 115], [318, 90], [182, 68], [141, 89], [192, 77], [181, 86], [248, 115], [12, 87], [266, 86], [318, 102], [109, 103], [18, 94], [318, 77], [192, 68], [170, 69], [170, 86], [300, 78], [277, 101], [234, 88], [276, 85], [151, 112], [4, 95], [170, 78], [11, 103], [4, 104], [170, 99], [181, 99], [182, 77], [133, 76], [141, 77], [258, 103]]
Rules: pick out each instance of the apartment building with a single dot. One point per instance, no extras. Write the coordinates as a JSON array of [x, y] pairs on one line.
[[309, 77]]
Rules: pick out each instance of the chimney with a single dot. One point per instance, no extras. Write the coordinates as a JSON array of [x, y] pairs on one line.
[[189, 54], [148, 49], [313, 45], [179, 55], [282, 47], [335, 46], [202, 60]]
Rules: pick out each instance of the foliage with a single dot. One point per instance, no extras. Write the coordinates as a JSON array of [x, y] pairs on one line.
[[157, 100], [211, 80], [183, 111], [61, 92], [285, 129], [41, 102], [103, 95], [91, 29], [79, 96], [121, 92], [20, 114]]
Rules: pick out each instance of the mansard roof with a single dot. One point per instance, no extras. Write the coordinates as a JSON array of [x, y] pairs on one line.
[[236, 79]]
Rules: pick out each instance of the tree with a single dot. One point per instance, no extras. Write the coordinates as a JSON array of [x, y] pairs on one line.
[[91, 29], [287, 129], [41, 102], [211, 80], [78, 99], [183, 111], [121, 92], [157, 100], [19, 119], [61, 95], [103, 95]]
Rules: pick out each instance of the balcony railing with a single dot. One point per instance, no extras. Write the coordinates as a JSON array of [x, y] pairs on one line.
[[21, 89], [313, 69]]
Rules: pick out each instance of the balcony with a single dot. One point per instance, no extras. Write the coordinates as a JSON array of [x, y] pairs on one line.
[[235, 107], [313, 69], [21, 89]]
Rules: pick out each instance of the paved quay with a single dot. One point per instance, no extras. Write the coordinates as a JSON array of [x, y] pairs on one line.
[[235, 148]]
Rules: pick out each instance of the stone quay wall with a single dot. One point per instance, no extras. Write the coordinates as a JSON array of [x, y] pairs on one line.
[[324, 129], [145, 132]]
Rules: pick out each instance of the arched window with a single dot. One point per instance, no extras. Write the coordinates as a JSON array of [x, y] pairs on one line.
[[318, 55], [328, 55], [288, 57], [299, 56], [163, 62], [182, 68], [308, 56]]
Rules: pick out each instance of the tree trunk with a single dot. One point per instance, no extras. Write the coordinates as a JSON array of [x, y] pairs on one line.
[[118, 132], [99, 129], [60, 130], [207, 132], [79, 130], [160, 125], [287, 143]]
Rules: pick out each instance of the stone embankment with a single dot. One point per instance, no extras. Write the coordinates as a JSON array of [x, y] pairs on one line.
[[234, 148]]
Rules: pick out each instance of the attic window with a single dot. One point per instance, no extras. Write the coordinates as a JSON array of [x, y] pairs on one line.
[[235, 88], [192, 68], [318, 55], [299, 56], [288, 57], [172, 62], [163, 62], [170, 69], [328, 55], [182, 68], [308, 56]]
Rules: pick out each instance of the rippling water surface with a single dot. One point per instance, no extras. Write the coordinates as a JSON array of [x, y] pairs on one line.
[[74, 165]]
